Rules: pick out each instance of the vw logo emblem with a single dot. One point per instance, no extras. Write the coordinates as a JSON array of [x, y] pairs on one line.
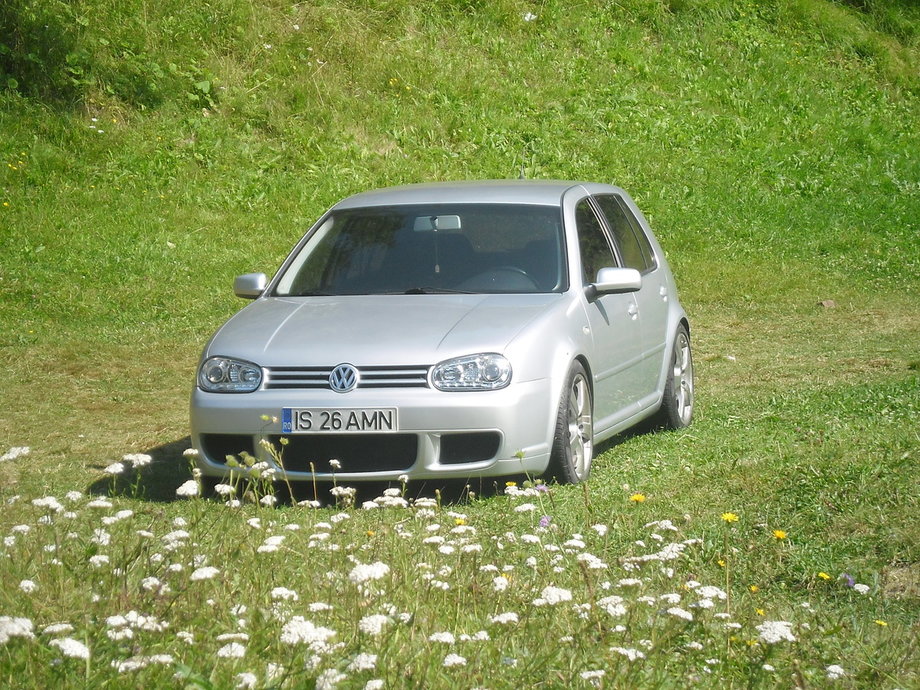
[[343, 378]]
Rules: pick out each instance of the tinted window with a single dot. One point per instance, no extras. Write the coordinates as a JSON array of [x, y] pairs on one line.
[[592, 242], [632, 242], [431, 248]]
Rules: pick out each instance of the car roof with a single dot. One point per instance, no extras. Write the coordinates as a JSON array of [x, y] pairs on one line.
[[538, 192]]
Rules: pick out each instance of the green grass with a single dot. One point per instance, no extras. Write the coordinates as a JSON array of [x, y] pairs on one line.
[[772, 143]]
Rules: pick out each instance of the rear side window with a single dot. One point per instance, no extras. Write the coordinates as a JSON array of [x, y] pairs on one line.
[[631, 240]]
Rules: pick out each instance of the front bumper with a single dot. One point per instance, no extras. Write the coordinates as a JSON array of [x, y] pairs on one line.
[[441, 435]]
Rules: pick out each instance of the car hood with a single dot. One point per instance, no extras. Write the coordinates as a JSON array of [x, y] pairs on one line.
[[375, 329]]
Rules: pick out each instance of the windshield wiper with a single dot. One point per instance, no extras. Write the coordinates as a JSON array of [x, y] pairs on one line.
[[427, 290]]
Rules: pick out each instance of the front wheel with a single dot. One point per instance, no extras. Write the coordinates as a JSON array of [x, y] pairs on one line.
[[573, 443], [677, 404]]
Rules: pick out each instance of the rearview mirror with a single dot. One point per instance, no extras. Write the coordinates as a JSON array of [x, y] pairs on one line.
[[616, 280], [439, 223], [249, 285]]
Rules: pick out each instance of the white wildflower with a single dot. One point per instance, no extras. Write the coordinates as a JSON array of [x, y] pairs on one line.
[[362, 662], [57, 629], [115, 468], [680, 613], [271, 544], [711, 592], [631, 654], [205, 573], [363, 572], [550, 596], [330, 678], [835, 672], [28, 586], [285, 594], [299, 630], [234, 650], [453, 660], [445, 637], [772, 632], [71, 647], [49, 502], [862, 589], [188, 489], [506, 618], [373, 625], [137, 460], [246, 680], [15, 627], [592, 561], [613, 605]]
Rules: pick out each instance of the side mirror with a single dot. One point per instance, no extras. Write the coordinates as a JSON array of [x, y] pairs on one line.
[[615, 281], [249, 285]]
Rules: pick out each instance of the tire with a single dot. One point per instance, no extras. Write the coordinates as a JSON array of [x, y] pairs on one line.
[[573, 442], [676, 411]]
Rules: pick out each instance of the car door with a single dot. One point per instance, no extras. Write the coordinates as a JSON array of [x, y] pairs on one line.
[[614, 323], [635, 251]]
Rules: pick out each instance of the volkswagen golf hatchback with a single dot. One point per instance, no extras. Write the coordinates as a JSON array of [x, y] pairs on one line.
[[450, 330]]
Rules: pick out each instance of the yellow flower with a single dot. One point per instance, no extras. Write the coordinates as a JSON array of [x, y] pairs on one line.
[[459, 521], [370, 533], [779, 534], [510, 483], [754, 588], [729, 517], [824, 576], [881, 623], [637, 498], [760, 612], [721, 563]]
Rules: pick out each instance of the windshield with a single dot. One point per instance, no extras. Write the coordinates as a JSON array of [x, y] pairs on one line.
[[438, 248]]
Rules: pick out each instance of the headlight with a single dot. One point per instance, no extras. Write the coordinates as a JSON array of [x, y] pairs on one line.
[[225, 375], [486, 372]]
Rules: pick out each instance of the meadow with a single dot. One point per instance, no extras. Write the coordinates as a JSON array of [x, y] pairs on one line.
[[150, 152]]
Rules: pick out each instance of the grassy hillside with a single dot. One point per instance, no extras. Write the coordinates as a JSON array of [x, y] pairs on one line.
[[150, 151]]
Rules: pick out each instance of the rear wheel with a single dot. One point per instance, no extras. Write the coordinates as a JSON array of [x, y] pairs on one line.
[[573, 443], [676, 410]]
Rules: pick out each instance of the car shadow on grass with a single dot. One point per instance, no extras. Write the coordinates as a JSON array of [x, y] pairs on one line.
[[157, 481]]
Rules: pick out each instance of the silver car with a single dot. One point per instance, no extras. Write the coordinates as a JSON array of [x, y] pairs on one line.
[[453, 330]]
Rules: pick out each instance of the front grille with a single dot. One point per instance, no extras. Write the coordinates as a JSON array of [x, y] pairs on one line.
[[356, 452], [280, 378]]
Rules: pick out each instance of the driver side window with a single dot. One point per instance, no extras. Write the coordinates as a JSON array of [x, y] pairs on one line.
[[592, 242]]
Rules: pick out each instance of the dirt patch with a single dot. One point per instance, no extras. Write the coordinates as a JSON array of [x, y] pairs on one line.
[[902, 582]]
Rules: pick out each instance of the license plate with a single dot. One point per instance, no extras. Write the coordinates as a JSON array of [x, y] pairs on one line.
[[322, 420]]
